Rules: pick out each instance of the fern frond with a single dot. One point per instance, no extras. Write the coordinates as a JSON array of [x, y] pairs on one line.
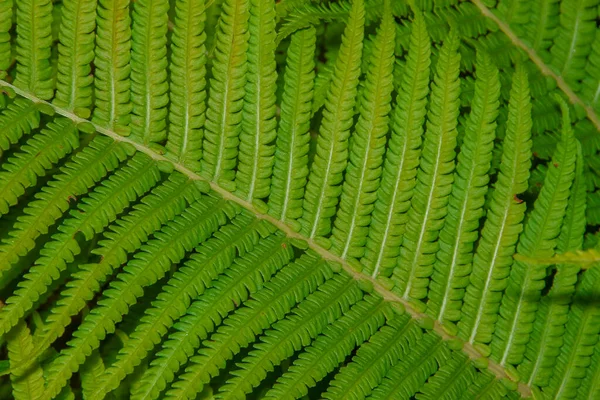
[[232, 288], [35, 157], [450, 381], [255, 166], [525, 282], [465, 207], [581, 336], [549, 326], [90, 372], [149, 84], [330, 348], [34, 41], [93, 214], [18, 119], [187, 84], [149, 265], [226, 99], [332, 300], [405, 378], [392, 342], [493, 257], [28, 384], [434, 178], [84, 170], [543, 25], [210, 259], [268, 305], [122, 238], [402, 157], [323, 189], [290, 169], [76, 52], [112, 107], [361, 178]]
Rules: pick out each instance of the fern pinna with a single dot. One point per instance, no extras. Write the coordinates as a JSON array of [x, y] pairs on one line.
[[296, 199]]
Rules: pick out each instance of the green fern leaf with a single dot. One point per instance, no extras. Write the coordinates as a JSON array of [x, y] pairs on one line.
[[187, 84], [539, 238], [232, 288], [290, 169], [367, 148], [434, 179], [39, 154], [548, 328], [6, 10], [268, 305], [493, 257], [253, 177], [29, 384], [76, 52], [34, 41], [149, 84], [323, 189], [92, 216], [193, 226], [112, 66], [401, 158], [20, 118], [465, 208], [333, 299], [225, 102]]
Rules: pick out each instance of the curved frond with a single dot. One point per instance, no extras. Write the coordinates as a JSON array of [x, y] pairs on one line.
[[20, 118], [28, 384]]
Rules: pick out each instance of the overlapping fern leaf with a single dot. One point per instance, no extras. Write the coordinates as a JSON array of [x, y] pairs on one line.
[[346, 199]]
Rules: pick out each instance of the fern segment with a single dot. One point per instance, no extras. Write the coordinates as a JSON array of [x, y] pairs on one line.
[[465, 207], [323, 189], [549, 326], [28, 384], [34, 41], [539, 238], [149, 70], [402, 157], [18, 119], [188, 83], [367, 147], [112, 66], [493, 257], [6, 11], [226, 98], [434, 179], [253, 177], [290, 169], [76, 52]]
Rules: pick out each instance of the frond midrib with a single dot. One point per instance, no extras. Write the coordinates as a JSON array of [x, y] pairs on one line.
[[386, 294]]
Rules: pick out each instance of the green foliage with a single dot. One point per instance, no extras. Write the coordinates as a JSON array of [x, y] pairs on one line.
[[299, 199]]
